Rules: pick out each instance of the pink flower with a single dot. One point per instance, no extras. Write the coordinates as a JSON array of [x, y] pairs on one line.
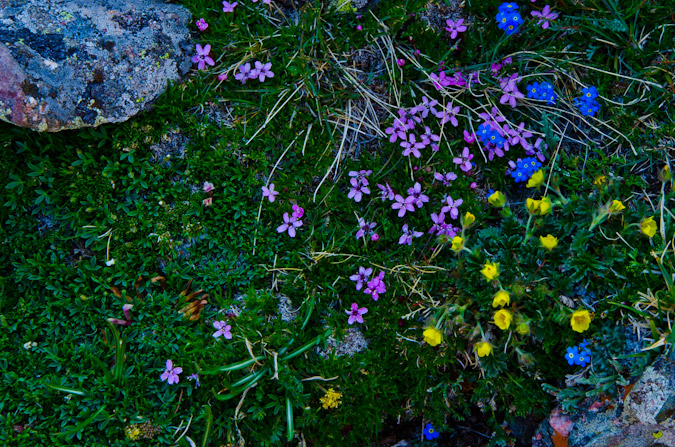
[[207, 201], [298, 211], [464, 161], [403, 205], [208, 187], [451, 206], [545, 15], [290, 224], [202, 25], [376, 286], [222, 77], [470, 138], [375, 237], [270, 193], [418, 196], [407, 236], [127, 316], [445, 178], [223, 330], [386, 191], [365, 228], [400, 62], [202, 57], [361, 277], [262, 71], [411, 147], [357, 190], [171, 374], [244, 73], [229, 7], [355, 315], [455, 27]]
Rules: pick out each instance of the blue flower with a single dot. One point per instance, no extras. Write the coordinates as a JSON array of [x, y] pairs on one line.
[[430, 432], [590, 92], [584, 358], [572, 355], [496, 139], [507, 7], [508, 18], [533, 90], [583, 344]]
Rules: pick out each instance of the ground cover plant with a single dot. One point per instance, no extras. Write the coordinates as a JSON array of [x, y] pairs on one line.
[[430, 221]]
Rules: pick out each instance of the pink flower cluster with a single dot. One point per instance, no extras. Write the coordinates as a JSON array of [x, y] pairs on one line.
[[259, 71], [375, 286], [291, 222], [359, 184]]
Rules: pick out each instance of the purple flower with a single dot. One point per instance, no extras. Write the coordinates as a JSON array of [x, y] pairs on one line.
[[269, 192], [403, 205], [263, 70], [208, 186], [244, 73], [510, 89], [537, 150], [229, 7], [298, 211], [202, 25], [222, 77], [439, 223], [470, 138], [455, 27], [545, 15], [358, 190], [397, 130], [290, 224], [418, 196], [171, 373], [386, 192], [451, 206], [376, 286], [355, 314], [365, 228], [361, 277], [195, 377], [428, 137], [519, 135], [426, 107], [223, 330], [202, 57], [464, 161], [440, 80], [361, 176], [449, 113], [445, 178], [407, 236], [492, 117], [412, 146]]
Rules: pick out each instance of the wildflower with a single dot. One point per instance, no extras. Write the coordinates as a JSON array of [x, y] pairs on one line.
[[616, 207], [497, 199], [208, 187], [445, 178], [412, 146], [290, 224], [269, 192], [407, 236], [386, 191], [222, 77], [361, 277], [581, 320], [583, 358], [439, 223], [229, 7], [331, 399], [365, 228], [426, 107], [470, 138], [448, 113], [464, 161], [132, 432], [375, 237], [195, 377], [502, 298], [490, 270], [536, 180], [202, 57], [457, 243], [549, 242], [523, 328], [223, 329], [359, 28], [355, 314], [171, 374], [519, 135], [510, 90], [361, 176], [455, 27], [452, 206], [648, 226], [468, 220], [503, 319], [208, 201], [202, 25], [126, 309], [429, 432], [545, 206], [244, 73], [357, 190], [418, 196], [29, 345], [544, 16], [590, 92], [263, 71], [600, 180], [483, 349], [403, 205], [664, 174], [376, 286], [298, 211], [429, 138], [432, 336]]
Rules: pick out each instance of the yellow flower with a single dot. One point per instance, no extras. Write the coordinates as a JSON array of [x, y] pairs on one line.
[[532, 206], [503, 319], [483, 349], [432, 336], [523, 328], [490, 271], [331, 399], [536, 180], [502, 298], [616, 207], [665, 174], [549, 242], [581, 320], [497, 199], [545, 206], [600, 180], [648, 226], [457, 243], [469, 219], [132, 432]]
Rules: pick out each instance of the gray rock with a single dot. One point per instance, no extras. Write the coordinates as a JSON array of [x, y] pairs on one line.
[[67, 64], [643, 418]]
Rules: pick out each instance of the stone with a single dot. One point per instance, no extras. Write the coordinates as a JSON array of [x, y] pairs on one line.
[[68, 64], [642, 417]]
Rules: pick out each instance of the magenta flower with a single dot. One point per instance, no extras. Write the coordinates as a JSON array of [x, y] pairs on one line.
[[355, 315], [202, 57], [545, 15], [202, 25], [376, 286], [263, 70], [361, 176], [269, 192], [208, 186], [455, 27], [493, 117], [400, 62], [510, 89], [229, 7], [298, 211], [470, 138], [290, 224], [375, 237], [403, 205], [407, 236], [366, 228], [412, 147], [244, 73], [127, 316], [418, 196], [440, 80], [357, 190], [386, 192], [428, 137], [451, 206], [464, 161], [445, 178], [519, 136], [223, 330], [361, 277], [449, 113], [170, 375], [426, 107], [222, 77], [397, 130]]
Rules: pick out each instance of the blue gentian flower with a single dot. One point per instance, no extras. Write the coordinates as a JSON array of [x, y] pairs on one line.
[[507, 7], [572, 355], [533, 90], [590, 92], [430, 433], [584, 358]]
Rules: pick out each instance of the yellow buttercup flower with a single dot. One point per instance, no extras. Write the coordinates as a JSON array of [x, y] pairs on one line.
[[532, 206], [457, 243], [581, 320], [490, 271], [497, 199], [469, 219], [616, 207], [331, 399], [502, 298], [549, 242], [648, 226], [536, 179], [483, 349], [432, 336], [545, 206], [503, 319]]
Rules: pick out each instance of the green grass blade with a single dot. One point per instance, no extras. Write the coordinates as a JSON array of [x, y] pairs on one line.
[[209, 425], [64, 389], [289, 420]]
